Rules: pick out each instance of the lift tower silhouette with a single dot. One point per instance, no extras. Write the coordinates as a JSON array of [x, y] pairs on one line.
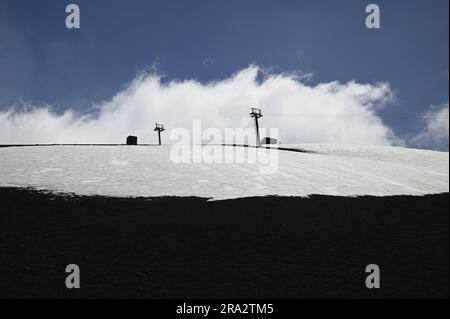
[[159, 128], [256, 113]]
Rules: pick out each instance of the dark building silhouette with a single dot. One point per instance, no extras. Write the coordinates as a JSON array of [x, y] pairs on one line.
[[269, 140], [132, 140]]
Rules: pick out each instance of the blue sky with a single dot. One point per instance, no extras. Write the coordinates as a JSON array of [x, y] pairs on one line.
[[43, 62]]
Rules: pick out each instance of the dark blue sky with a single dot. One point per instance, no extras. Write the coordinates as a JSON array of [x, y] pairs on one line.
[[43, 62]]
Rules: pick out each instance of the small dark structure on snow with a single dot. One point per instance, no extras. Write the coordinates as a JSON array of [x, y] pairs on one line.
[[132, 140], [269, 140]]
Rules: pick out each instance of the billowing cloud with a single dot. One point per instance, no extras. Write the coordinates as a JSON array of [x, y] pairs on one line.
[[329, 112], [435, 134]]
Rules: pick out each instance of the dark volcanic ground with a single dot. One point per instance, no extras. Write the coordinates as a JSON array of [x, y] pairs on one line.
[[273, 247]]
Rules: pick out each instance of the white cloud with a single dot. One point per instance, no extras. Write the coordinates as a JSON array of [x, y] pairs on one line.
[[329, 112], [435, 133]]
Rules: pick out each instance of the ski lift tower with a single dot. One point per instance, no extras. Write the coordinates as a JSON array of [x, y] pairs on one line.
[[256, 114], [159, 128]]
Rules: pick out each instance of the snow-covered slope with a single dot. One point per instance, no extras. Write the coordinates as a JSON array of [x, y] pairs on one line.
[[149, 171]]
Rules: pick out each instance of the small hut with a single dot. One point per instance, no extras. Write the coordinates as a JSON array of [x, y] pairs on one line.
[[132, 140], [269, 140]]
